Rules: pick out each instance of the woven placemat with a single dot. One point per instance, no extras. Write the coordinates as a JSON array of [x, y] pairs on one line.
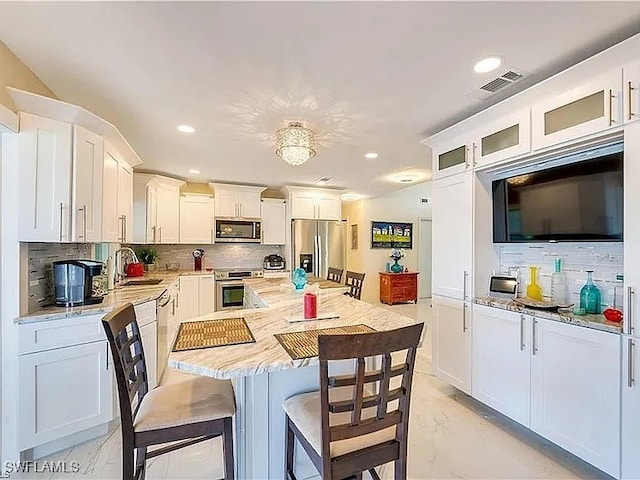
[[212, 333], [305, 344]]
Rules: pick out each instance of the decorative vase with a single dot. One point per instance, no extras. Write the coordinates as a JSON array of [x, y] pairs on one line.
[[533, 289], [396, 267], [590, 295], [299, 278]]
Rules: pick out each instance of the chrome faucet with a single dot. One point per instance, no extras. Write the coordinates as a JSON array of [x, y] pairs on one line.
[[119, 272]]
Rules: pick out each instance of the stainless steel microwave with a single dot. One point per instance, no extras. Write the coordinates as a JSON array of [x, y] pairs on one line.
[[239, 231]]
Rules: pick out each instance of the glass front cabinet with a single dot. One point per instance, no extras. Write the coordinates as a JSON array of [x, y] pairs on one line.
[[508, 137], [451, 157], [584, 110]]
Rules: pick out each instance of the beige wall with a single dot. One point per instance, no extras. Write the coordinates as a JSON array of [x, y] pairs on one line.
[[400, 206], [14, 73]]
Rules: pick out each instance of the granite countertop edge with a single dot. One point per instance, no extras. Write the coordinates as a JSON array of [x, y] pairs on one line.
[[595, 322]]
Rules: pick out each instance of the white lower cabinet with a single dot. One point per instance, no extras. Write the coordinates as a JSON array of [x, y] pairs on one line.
[[196, 296], [63, 391], [630, 468], [452, 342], [502, 361], [575, 391], [149, 336]]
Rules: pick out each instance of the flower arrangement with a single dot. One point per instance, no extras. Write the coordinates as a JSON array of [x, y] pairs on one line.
[[396, 254]]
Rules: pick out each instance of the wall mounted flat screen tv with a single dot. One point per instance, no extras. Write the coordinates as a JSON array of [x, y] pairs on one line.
[[581, 201]]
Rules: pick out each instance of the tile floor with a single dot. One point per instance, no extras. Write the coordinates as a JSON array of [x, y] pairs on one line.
[[451, 436]]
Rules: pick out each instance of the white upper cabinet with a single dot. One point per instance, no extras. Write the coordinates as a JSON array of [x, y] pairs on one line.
[[274, 224], [575, 388], [45, 179], [587, 109], [631, 91], [452, 236], [631, 325], [237, 201], [314, 203], [125, 202], [196, 219], [453, 156], [111, 226], [156, 208], [507, 137], [88, 161]]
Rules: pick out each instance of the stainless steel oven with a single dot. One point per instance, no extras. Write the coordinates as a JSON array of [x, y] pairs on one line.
[[230, 287], [239, 231]]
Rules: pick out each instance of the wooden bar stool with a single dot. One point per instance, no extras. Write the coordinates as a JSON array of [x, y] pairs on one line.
[[354, 281], [335, 274], [347, 428], [187, 412]]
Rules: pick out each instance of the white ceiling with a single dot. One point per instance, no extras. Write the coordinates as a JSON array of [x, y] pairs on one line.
[[366, 76]]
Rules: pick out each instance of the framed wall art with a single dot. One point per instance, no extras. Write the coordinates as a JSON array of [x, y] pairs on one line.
[[391, 235]]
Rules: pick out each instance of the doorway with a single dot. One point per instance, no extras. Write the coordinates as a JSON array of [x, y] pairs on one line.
[[424, 258]]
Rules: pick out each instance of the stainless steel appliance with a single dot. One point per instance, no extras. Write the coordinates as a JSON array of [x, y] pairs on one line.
[[73, 280], [274, 262], [230, 287], [318, 245], [240, 231]]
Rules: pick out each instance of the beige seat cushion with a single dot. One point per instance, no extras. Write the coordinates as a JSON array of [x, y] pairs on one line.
[[193, 400], [305, 412]]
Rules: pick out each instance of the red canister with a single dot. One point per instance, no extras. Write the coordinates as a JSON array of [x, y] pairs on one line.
[[310, 305]]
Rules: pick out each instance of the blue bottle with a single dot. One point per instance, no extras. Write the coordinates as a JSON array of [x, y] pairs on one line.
[[299, 278], [590, 295]]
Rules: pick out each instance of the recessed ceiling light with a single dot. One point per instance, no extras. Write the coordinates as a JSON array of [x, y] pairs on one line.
[[194, 171], [371, 155], [487, 64], [186, 129], [350, 197], [323, 179], [407, 179]]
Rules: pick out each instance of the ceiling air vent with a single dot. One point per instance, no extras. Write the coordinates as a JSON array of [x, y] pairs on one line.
[[502, 81]]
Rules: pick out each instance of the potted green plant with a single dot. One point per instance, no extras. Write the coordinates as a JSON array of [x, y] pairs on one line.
[[148, 257]]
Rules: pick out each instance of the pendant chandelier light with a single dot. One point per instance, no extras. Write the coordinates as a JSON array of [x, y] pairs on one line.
[[295, 144]]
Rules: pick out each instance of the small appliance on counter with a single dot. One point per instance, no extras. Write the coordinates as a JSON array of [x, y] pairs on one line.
[[503, 287], [198, 253], [73, 280], [274, 262]]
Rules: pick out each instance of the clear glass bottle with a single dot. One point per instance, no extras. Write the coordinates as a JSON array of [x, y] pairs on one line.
[[559, 284], [533, 289], [590, 295]]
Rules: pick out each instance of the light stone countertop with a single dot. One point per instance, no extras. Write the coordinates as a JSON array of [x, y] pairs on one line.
[[596, 322], [266, 354], [118, 296], [271, 291]]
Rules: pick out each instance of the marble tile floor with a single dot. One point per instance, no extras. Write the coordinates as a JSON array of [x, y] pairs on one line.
[[451, 436]]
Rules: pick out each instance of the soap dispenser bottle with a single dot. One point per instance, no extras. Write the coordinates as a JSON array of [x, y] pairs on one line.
[[559, 284]]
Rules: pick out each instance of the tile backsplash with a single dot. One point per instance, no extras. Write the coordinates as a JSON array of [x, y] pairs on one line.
[[221, 255], [605, 259], [40, 257]]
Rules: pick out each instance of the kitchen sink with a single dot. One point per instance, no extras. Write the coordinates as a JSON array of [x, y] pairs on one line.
[[140, 283]]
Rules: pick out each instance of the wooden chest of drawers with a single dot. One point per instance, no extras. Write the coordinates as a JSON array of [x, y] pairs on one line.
[[398, 287]]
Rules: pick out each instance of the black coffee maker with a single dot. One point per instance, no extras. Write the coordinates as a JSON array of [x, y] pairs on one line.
[[73, 280]]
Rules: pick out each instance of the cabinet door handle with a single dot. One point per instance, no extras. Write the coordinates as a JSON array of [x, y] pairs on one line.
[[153, 229], [610, 107], [464, 318], [466, 157], [465, 274], [81, 235], [522, 345], [630, 89], [121, 237], [630, 380], [212, 235], [173, 306], [61, 218], [629, 314], [474, 153], [107, 356], [534, 340], [84, 222], [159, 234], [124, 228]]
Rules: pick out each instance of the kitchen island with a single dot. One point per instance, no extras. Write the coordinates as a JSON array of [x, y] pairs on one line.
[[264, 374]]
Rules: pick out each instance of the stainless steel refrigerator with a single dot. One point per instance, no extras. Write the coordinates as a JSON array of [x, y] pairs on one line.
[[318, 245]]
